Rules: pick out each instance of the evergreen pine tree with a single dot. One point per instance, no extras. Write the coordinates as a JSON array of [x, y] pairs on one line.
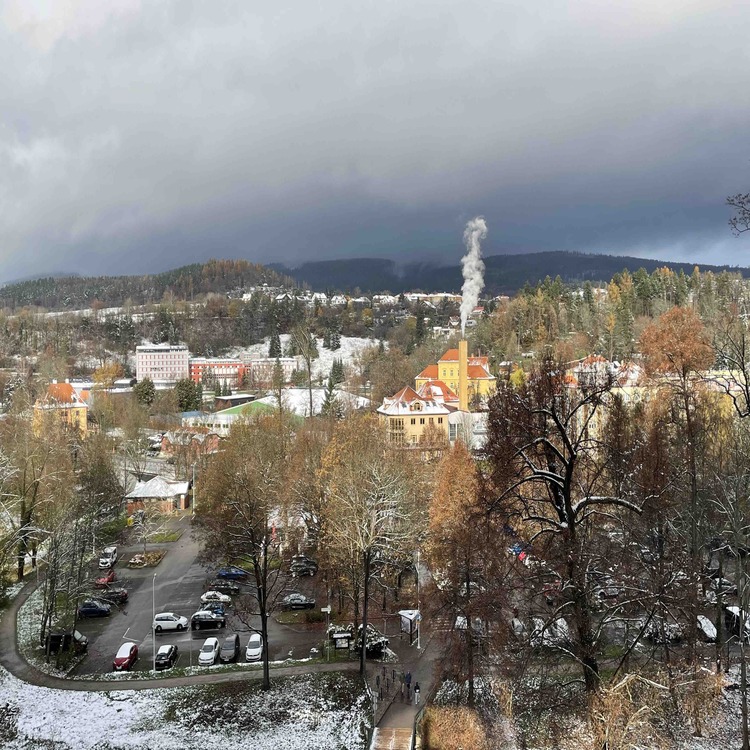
[[331, 407], [337, 371], [274, 345], [335, 340], [419, 331]]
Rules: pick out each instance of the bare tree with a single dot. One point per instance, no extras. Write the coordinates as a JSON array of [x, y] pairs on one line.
[[549, 470], [740, 222], [372, 509], [238, 513]]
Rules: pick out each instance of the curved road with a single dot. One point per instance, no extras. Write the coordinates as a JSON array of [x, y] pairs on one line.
[[11, 659]]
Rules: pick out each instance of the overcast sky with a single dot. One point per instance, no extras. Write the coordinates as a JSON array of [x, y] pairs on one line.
[[136, 136]]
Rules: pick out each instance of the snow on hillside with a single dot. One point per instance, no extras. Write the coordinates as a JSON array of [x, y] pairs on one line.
[[319, 712], [351, 348]]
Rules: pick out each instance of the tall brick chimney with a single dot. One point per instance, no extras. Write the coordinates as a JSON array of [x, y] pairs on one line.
[[463, 375]]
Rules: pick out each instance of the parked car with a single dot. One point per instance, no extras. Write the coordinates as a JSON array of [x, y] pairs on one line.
[[205, 619], [215, 596], [94, 608], [169, 621], [230, 649], [727, 587], [114, 595], [126, 657], [108, 557], [106, 579], [166, 657], [661, 630], [233, 573], [208, 653], [254, 650], [297, 601], [549, 634], [226, 587], [75, 641], [303, 566], [733, 618], [706, 629], [216, 607]]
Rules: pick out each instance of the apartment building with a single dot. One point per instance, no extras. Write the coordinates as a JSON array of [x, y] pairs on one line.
[[164, 364]]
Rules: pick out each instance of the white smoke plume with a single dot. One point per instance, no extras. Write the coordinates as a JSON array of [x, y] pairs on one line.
[[472, 268]]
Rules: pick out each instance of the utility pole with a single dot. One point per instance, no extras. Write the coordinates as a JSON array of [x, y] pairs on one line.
[[327, 610], [419, 612]]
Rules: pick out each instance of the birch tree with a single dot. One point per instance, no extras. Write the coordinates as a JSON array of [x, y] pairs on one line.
[[373, 513]]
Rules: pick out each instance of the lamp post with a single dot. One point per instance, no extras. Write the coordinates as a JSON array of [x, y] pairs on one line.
[[193, 487], [419, 613], [153, 622], [327, 610]]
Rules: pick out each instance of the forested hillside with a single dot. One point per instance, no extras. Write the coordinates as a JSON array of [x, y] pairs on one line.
[[77, 292], [505, 274]]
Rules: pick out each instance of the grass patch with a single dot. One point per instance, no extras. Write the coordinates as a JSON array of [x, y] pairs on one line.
[[164, 537], [334, 704], [300, 617]]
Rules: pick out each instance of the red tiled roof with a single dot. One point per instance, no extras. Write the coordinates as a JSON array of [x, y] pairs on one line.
[[62, 393], [450, 356], [406, 394], [430, 373], [445, 392], [477, 372]]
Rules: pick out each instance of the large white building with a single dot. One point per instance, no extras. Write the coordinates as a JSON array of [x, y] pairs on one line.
[[164, 364]]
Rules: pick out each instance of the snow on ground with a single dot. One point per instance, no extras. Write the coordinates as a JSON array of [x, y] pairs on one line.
[[321, 712], [351, 348]]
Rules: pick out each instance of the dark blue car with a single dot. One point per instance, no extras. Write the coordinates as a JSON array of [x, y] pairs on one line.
[[93, 608], [232, 573]]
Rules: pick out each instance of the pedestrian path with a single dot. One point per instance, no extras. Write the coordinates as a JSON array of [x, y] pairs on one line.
[[391, 739], [395, 727]]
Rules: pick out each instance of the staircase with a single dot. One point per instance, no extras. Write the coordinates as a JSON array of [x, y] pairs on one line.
[[391, 739]]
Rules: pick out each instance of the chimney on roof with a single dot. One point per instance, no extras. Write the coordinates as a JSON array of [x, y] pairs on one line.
[[463, 375]]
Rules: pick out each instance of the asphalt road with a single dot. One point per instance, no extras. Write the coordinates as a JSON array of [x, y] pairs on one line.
[[175, 585]]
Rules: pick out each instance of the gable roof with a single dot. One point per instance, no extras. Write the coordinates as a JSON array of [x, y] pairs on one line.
[[437, 390], [157, 488], [61, 396]]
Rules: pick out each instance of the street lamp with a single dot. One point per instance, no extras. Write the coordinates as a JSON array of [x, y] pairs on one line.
[[419, 613], [327, 610], [153, 621], [193, 487]]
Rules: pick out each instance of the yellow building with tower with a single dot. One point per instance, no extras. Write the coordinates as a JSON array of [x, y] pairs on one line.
[[468, 377], [61, 402]]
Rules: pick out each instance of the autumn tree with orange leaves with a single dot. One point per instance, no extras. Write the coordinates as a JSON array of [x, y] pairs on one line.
[[462, 552]]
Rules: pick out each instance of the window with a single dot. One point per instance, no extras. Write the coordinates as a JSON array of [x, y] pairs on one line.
[[413, 420], [440, 420], [421, 420], [431, 420]]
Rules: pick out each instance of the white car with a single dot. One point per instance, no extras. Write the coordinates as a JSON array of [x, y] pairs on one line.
[[254, 649], [169, 621], [215, 596], [108, 557], [209, 652]]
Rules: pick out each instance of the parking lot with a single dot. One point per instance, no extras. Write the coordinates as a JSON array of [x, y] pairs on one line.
[[175, 585]]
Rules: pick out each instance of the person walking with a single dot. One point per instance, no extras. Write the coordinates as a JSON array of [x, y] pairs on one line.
[[416, 694], [407, 680]]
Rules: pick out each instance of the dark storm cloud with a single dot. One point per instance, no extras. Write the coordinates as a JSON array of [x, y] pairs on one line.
[[136, 136]]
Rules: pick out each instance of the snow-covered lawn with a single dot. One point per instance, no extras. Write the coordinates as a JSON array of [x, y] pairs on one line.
[[321, 712]]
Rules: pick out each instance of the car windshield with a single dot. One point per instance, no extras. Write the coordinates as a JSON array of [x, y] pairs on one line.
[[254, 641], [207, 648]]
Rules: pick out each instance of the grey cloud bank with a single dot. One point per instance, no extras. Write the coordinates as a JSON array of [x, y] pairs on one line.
[[137, 135]]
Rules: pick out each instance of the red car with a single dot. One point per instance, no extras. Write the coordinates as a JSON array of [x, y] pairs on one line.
[[126, 657], [106, 579]]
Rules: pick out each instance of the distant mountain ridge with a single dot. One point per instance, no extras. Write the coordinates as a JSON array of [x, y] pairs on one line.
[[504, 274], [79, 292]]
